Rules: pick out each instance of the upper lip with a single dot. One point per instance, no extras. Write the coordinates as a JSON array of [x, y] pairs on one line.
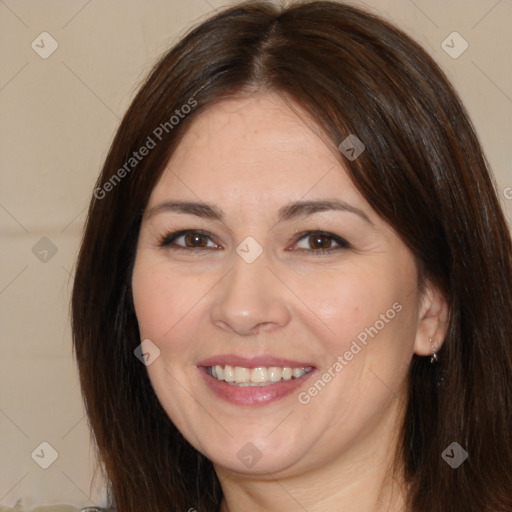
[[252, 362]]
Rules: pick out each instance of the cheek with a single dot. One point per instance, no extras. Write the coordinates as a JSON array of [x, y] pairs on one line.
[[349, 301], [161, 298], [164, 304], [367, 310]]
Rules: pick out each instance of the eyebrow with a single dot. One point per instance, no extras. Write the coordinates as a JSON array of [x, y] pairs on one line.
[[304, 208], [204, 210], [288, 212]]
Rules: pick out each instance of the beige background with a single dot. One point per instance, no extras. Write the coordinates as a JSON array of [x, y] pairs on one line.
[[58, 117]]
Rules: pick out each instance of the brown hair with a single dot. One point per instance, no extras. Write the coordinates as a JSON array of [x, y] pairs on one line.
[[422, 171]]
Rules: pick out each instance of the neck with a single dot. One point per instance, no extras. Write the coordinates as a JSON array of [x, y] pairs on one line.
[[363, 479]]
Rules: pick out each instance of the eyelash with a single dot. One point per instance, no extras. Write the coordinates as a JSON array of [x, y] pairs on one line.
[[168, 240]]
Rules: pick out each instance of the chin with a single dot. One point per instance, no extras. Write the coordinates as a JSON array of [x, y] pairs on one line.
[[255, 453]]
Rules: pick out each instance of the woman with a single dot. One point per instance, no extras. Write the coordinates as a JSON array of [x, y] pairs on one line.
[[294, 289]]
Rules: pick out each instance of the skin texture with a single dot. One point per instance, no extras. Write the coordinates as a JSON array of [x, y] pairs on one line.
[[250, 157]]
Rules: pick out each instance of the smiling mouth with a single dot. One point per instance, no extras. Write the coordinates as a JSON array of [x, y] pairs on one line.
[[259, 376]]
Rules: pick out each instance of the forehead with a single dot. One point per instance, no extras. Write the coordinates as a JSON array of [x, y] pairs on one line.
[[256, 149]]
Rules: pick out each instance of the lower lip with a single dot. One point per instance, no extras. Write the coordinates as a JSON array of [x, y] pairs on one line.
[[253, 395]]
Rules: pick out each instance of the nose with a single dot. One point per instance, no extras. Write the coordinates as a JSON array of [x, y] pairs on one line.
[[250, 299]]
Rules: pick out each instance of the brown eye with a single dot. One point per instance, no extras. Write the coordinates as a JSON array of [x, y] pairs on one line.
[[320, 242], [188, 239], [195, 240]]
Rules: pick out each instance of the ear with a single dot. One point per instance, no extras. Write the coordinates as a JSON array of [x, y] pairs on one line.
[[433, 319]]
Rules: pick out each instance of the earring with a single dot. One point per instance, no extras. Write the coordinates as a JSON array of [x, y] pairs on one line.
[[435, 348]]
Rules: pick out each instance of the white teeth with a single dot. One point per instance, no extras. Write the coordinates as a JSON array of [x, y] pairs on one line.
[[219, 372], [274, 374], [229, 375], [259, 375], [256, 376], [287, 373], [297, 372], [242, 374]]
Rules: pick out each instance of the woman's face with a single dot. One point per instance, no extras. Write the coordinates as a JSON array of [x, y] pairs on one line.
[[258, 257]]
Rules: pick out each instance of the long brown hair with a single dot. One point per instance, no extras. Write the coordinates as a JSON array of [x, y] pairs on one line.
[[423, 171]]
